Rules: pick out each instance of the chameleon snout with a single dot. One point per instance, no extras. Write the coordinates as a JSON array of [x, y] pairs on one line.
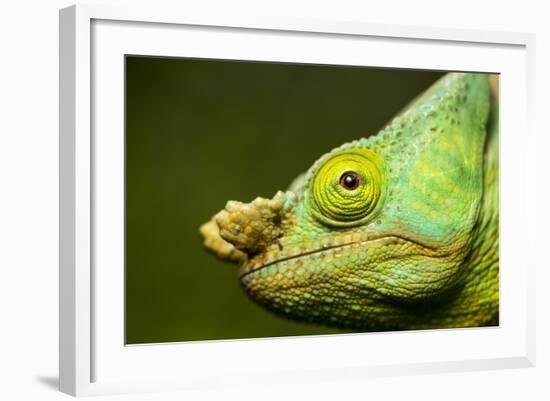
[[250, 227], [242, 230]]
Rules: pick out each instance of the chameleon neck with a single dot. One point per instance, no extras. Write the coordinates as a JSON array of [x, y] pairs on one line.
[[475, 297]]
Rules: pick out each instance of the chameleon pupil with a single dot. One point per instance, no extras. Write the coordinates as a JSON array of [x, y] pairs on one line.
[[349, 181]]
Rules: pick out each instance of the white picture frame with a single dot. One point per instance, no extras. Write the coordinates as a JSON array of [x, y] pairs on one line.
[[93, 356]]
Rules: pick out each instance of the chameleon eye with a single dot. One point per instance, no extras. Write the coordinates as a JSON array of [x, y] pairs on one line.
[[350, 180], [348, 187]]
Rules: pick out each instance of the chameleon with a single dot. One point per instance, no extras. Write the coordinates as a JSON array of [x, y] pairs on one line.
[[394, 231]]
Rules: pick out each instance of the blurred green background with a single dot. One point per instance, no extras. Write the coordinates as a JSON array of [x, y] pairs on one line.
[[201, 132]]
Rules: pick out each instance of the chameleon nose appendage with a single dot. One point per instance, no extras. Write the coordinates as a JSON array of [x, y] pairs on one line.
[[218, 246], [242, 230], [251, 227]]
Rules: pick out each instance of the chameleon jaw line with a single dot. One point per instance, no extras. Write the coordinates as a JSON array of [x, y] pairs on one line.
[[385, 240]]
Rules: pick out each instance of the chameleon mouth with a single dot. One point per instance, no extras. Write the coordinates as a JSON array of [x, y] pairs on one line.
[[296, 255]]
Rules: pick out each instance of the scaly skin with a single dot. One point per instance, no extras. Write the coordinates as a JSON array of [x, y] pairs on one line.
[[395, 231]]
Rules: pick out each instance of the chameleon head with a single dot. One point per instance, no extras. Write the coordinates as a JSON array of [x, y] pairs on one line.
[[374, 226]]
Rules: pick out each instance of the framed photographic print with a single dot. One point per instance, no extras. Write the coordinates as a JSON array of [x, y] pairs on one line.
[[283, 200]]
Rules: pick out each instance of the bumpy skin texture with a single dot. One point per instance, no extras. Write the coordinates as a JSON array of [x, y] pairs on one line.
[[395, 231]]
